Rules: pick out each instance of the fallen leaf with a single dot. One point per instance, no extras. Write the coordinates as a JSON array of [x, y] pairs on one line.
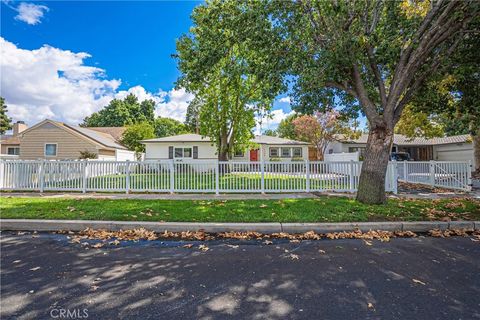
[[294, 256], [263, 205], [203, 247], [321, 251], [34, 269], [189, 245], [17, 261], [370, 306], [368, 243], [267, 242], [418, 281], [232, 246], [98, 245]]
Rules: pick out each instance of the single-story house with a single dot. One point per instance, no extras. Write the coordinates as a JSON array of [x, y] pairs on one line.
[[453, 148], [194, 146], [10, 143], [54, 140]]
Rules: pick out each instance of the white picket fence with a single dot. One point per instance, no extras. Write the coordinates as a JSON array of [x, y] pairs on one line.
[[446, 174], [193, 176]]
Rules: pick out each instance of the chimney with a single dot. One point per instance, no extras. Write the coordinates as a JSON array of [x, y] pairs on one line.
[[18, 127]]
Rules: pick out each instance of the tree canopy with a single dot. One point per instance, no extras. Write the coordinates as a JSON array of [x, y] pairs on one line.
[[372, 56], [121, 113], [135, 133], [165, 127], [5, 121], [222, 64]]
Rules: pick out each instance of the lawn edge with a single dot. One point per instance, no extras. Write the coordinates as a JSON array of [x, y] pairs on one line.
[[213, 227]]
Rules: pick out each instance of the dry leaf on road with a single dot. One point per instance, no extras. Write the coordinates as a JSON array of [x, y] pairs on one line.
[[418, 281]]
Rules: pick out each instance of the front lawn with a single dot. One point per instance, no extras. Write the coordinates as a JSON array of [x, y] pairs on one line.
[[324, 209]]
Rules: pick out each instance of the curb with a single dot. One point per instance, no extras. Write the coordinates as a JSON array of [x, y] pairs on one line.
[[275, 227]]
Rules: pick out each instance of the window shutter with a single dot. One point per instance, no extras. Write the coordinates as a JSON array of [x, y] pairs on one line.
[[195, 152], [170, 152]]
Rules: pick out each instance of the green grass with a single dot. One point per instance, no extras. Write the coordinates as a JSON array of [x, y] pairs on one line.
[[325, 209], [205, 181]]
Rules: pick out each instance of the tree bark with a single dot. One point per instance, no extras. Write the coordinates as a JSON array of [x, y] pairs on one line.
[[371, 187], [476, 150]]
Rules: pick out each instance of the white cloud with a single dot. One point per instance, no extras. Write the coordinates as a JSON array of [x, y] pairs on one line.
[[284, 100], [56, 84], [30, 13], [272, 121], [174, 104]]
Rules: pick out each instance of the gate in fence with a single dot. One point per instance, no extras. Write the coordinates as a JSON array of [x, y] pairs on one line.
[[197, 176], [445, 174]]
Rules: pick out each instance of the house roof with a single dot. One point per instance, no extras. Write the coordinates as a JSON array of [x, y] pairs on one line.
[[191, 137], [276, 140], [9, 139], [102, 138], [115, 132], [400, 139]]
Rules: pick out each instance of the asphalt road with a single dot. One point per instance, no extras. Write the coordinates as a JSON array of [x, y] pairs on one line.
[[422, 278]]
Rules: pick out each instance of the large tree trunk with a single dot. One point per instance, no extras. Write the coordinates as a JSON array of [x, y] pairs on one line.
[[371, 187], [476, 150]]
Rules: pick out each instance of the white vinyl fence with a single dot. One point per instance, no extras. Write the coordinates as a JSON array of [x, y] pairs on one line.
[[193, 176], [446, 174]]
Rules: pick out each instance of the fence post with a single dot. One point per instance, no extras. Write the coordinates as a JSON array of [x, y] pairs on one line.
[[405, 170], [469, 176], [127, 180], [307, 174], [84, 184], [172, 176], [217, 178], [262, 176], [351, 176], [42, 175], [395, 177], [432, 173]]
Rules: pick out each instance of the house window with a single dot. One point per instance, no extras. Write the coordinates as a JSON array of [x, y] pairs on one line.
[[13, 151], [50, 149], [183, 152], [273, 152], [297, 152], [285, 152], [239, 154]]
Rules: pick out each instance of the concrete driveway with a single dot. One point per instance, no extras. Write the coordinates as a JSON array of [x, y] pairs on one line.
[[416, 278]]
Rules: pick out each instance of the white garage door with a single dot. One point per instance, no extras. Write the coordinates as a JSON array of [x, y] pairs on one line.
[[455, 155]]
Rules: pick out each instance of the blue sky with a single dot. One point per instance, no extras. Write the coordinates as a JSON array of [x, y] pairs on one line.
[[64, 60]]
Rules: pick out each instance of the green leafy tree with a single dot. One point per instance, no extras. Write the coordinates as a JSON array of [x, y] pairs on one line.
[[221, 63], [454, 97], [135, 133], [5, 121], [192, 118], [368, 55], [419, 124], [165, 127], [270, 132], [286, 129], [120, 113]]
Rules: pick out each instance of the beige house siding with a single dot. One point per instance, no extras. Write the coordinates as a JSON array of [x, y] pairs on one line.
[[4, 147], [69, 145]]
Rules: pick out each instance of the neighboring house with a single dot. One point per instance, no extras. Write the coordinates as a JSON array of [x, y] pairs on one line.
[[10, 143], [453, 148], [55, 140], [194, 146]]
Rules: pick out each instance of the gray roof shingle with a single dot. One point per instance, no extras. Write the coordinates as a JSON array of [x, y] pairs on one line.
[[402, 140]]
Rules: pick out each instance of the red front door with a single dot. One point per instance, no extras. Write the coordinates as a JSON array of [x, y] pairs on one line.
[[254, 155]]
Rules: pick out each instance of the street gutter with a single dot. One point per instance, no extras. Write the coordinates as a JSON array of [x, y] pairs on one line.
[[211, 227]]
